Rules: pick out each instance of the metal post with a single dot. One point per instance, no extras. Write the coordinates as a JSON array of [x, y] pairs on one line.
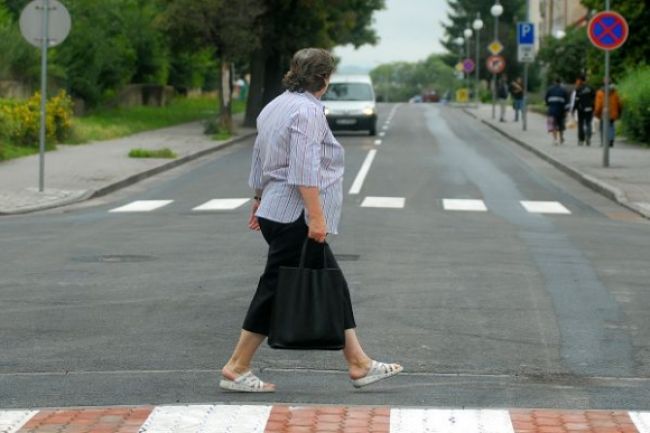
[[605, 113], [524, 108], [44, 47], [494, 76], [477, 84]]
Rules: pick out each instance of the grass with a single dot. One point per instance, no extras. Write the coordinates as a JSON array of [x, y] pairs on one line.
[[148, 153], [221, 136], [10, 151], [108, 124]]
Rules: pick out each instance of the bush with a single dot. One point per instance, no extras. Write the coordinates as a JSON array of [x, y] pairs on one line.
[[148, 153], [21, 120], [634, 90]]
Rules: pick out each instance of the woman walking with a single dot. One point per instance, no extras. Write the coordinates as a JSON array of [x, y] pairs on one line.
[[297, 175]]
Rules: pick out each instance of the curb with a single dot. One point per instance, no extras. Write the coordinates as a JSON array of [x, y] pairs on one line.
[[90, 194], [605, 189]]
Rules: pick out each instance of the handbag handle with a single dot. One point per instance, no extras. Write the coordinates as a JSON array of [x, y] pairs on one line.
[[303, 254]]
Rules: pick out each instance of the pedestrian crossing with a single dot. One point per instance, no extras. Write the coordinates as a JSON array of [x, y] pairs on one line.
[[376, 202], [276, 418]]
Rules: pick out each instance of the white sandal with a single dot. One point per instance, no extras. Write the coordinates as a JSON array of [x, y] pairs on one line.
[[378, 371], [247, 382]]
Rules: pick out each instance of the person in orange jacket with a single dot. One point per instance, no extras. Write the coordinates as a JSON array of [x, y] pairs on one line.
[[615, 110]]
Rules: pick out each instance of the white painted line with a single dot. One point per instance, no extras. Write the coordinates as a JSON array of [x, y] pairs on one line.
[[464, 205], [449, 421], [207, 419], [377, 142], [545, 207], [363, 172], [385, 128], [641, 420], [222, 204], [384, 202], [142, 206], [13, 420], [382, 134]]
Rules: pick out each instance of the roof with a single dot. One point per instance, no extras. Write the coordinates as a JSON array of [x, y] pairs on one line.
[[350, 79]]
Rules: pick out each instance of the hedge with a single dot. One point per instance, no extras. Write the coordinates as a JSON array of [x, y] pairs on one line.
[[634, 90]]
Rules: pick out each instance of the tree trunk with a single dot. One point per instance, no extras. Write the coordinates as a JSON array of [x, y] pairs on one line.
[[225, 97], [274, 72], [255, 101]]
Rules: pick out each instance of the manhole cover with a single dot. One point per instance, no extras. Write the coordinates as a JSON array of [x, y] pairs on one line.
[[346, 257], [115, 258]]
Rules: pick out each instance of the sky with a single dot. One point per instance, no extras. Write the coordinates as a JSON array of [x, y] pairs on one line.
[[408, 30]]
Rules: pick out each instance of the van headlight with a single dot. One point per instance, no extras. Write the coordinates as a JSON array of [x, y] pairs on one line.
[[369, 111], [327, 111]]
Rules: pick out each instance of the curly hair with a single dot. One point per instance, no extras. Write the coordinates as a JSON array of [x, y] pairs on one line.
[[310, 67]]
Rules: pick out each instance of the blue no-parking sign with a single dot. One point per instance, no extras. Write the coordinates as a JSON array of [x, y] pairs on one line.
[[526, 42]]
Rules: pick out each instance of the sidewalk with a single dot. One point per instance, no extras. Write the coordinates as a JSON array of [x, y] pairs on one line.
[[79, 172], [317, 419], [627, 180]]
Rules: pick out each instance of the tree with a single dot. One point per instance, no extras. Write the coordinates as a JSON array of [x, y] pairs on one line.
[[226, 27], [572, 52], [289, 25]]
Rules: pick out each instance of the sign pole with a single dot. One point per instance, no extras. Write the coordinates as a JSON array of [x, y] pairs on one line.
[[605, 113], [477, 84], [44, 47], [494, 76], [524, 103]]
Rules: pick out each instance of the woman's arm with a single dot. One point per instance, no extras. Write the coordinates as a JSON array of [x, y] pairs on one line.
[[317, 226]]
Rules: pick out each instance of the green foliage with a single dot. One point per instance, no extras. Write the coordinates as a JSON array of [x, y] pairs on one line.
[[400, 81], [635, 93], [20, 61], [566, 57], [148, 153], [193, 70]]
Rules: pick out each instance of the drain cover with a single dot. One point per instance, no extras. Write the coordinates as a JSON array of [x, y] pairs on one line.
[[115, 258]]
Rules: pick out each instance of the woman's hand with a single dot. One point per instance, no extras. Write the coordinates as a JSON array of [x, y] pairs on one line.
[[317, 229], [253, 223]]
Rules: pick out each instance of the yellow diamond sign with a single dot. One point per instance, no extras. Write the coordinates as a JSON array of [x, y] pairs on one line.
[[495, 48], [459, 67]]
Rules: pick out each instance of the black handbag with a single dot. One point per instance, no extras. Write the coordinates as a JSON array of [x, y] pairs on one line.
[[308, 310]]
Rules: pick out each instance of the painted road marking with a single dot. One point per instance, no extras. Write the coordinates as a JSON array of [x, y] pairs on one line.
[[551, 207], [641, 420], [142, 206], [207, 419], [464, 205], [363, 172], [384, 202], [222, 204], [377, 142], [385, 128], [12, 420], [382, 134], [449, 421]]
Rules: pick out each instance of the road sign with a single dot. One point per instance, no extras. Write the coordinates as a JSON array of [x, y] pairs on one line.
[[462, 95], [495, 48], [31, 23], [459, 67], [496, 64], [526, 42], [608, 30], [468, 65]]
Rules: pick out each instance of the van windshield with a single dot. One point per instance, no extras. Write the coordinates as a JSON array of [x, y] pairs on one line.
[[348, 92]]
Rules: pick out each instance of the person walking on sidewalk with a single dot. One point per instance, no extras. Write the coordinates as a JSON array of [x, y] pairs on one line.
[[297, 175], [502, 96], [583, 102], [557, 100], [615, 111], [517, 92]]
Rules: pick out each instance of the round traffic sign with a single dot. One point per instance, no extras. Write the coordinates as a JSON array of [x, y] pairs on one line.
[[468, 65], [496, 64], [31, 22], [608, 30]]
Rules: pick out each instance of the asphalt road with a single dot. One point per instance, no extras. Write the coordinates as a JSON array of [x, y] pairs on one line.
[[494, 308]]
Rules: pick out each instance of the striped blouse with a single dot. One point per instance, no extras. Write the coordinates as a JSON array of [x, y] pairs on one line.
[[295, 147]]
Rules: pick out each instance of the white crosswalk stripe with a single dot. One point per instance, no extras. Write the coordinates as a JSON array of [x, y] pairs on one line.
[[207, 419], [550, 207], [384, 202], [464, 205], [142, 206], [641, 420], [222, 204], [449, 421], [12, 420]]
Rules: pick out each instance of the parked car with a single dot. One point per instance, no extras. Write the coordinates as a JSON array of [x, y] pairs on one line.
[[430, 97], [350, 104]]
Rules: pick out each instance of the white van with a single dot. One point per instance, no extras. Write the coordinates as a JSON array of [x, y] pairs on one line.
[[350, 103]]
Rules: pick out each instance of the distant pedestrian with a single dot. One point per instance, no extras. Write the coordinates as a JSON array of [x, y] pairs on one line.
[[583, 103], [615, 111], [502, 96], [297, 176], [517, 92], [557, 100]]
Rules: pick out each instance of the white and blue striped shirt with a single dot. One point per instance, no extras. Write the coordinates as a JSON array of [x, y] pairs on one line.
[[295, 147]]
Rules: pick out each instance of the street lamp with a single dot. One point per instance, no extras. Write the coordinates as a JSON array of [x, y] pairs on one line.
[[496, 11], [477, 25]]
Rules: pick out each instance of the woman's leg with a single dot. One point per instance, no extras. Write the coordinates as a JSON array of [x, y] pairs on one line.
[[240, 361], [359, 363]]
